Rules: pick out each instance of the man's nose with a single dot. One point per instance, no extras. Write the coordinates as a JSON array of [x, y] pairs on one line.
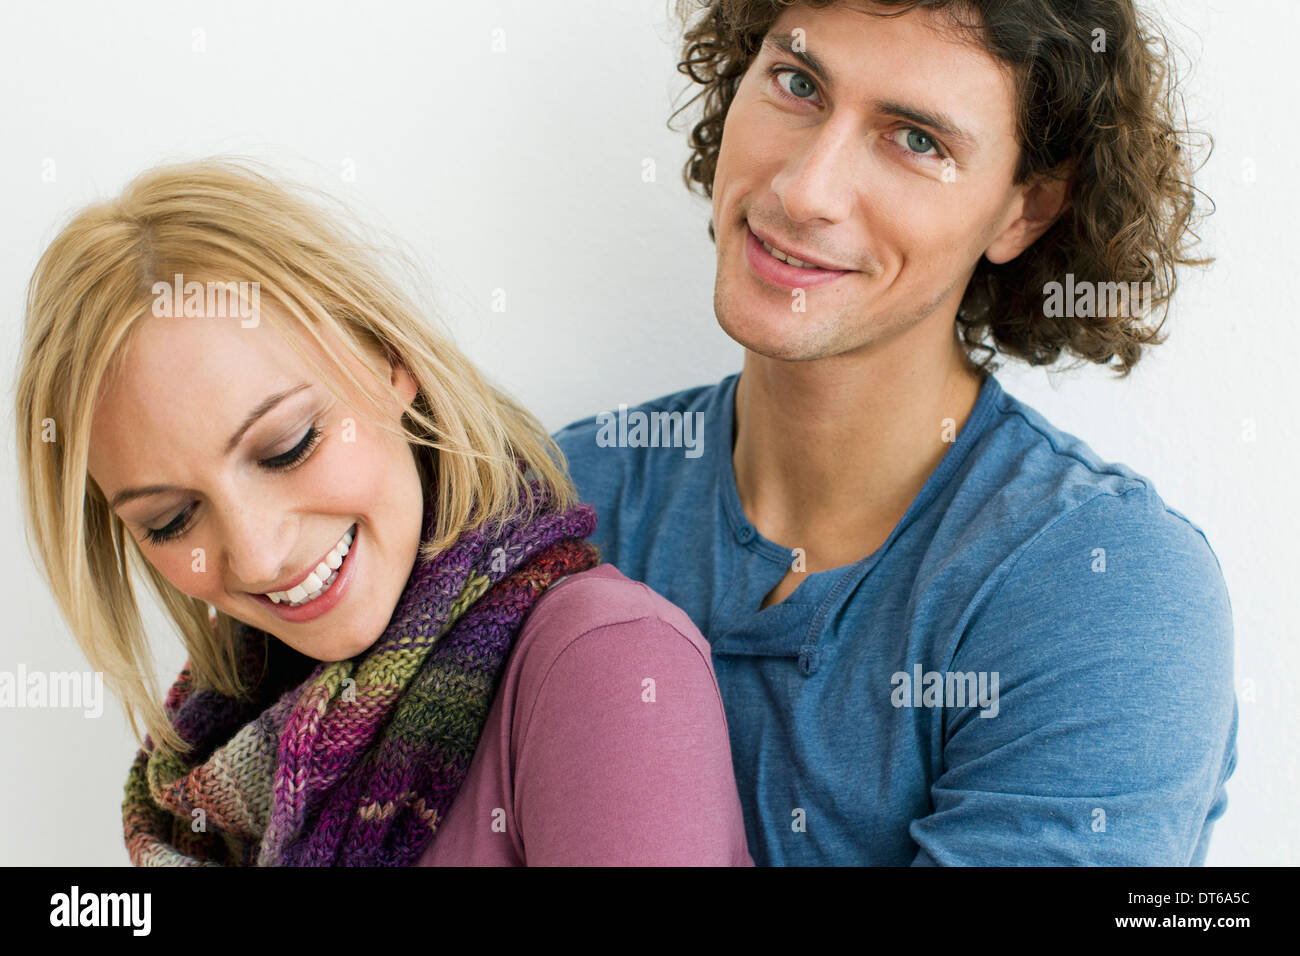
[[819, 178]]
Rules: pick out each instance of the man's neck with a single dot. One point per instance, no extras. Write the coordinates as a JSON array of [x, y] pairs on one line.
[[828, 454]]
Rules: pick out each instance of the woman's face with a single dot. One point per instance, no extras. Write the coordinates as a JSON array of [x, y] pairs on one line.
[[254, 473]]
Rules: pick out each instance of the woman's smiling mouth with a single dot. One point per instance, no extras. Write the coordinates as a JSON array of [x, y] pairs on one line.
[[322, 588]]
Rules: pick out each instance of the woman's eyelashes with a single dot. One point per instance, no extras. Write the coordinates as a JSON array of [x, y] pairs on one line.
[[801, 88], [297, 454], [285, 462], [172, 531]]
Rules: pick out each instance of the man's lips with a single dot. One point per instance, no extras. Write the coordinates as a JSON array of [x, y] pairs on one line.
[[791, 250], [775, 272]]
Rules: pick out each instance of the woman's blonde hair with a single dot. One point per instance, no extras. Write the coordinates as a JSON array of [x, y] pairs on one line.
[[223, 220]]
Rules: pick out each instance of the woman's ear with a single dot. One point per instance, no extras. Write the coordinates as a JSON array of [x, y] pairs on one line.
[[403, 381]]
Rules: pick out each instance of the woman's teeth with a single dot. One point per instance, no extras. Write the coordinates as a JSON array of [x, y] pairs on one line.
[[320, 579], [777, 253]]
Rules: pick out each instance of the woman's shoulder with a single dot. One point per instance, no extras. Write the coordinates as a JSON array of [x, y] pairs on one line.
[[603, 601], [603, 595], [616, 732]]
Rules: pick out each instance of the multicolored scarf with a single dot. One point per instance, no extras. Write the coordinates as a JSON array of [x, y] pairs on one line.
[[358, 763]]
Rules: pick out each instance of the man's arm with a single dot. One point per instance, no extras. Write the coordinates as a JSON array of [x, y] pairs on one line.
[[1116, 720]]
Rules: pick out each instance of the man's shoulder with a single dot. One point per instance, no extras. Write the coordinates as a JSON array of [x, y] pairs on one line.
[[580, 438], [1062, 537], [631, 463], [1034, 480], [1036, 532]]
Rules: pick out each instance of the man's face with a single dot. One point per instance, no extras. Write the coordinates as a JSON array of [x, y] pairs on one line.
[[835, 171], [261, 514]]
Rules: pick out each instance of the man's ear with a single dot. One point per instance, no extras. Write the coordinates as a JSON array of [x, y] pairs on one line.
[[1041, 203]]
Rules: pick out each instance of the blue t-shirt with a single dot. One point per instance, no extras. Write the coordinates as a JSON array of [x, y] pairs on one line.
[[1034, 668]]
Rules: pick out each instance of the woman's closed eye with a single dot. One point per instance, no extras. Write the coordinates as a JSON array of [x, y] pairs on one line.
[[296, 455], [285, 462]]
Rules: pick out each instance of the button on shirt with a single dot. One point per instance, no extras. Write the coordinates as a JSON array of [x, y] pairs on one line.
[[1035, 667]]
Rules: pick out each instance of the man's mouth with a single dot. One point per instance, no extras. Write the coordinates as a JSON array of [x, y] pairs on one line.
[[779, 267], [784, 257]]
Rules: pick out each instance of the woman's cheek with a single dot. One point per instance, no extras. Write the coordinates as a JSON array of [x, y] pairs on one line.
[[353, 469], [188, 570]]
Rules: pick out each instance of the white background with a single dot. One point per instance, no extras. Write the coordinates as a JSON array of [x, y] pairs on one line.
[[522, 170]]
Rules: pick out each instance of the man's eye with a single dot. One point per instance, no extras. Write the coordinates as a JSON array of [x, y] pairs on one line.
[[920, 143], [799, 87]]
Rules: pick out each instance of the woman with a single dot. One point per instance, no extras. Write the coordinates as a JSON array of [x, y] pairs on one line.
[[361, 542]]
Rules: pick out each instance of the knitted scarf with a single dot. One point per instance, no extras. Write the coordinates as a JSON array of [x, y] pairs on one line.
[[358, 762]]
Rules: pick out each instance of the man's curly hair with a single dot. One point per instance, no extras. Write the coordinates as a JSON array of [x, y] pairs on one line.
[[1111, 119]]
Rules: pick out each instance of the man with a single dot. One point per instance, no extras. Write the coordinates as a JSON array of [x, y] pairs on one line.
[[945, 631]]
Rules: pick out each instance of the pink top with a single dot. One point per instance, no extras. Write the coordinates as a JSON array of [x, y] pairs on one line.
[[606, 743]]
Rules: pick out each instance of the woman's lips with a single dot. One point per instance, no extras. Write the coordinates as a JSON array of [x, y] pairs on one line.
[[327, 601]]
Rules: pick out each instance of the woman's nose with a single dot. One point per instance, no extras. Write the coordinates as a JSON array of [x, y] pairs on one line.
[[257, 546]]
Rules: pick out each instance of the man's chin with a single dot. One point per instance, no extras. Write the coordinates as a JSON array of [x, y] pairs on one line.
[[784, 338]]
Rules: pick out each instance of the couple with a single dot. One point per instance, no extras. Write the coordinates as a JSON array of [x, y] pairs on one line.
[[888, 614]]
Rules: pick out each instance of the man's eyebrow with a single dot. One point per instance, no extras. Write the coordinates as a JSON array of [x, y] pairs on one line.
[[130, 494], [935, 119], [784, 42]]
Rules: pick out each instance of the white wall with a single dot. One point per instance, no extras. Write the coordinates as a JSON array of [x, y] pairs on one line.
[[522, 170]]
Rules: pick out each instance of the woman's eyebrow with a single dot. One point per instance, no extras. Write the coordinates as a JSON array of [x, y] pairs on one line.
[[130, 494], [270, 403], [784, 43]]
